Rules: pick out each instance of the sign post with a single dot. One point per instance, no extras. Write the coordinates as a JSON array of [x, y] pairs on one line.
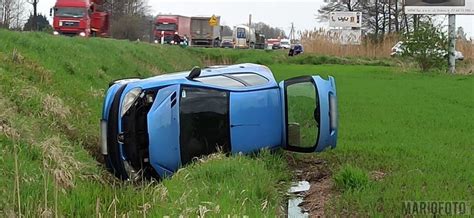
[[452, 43], [346, 27]]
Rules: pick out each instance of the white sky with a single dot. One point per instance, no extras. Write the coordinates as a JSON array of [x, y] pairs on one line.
[[277, 13]]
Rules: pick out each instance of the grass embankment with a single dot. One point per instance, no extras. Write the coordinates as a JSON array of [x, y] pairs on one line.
[[410, 134], [50, 103]]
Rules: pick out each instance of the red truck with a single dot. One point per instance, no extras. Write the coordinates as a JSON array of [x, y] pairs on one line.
[[168, 25], [80, 17]]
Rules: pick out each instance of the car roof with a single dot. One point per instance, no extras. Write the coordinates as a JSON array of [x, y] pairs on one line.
[[180, 77]]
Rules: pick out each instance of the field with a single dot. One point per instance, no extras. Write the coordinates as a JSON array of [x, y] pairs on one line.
[[404, 135]]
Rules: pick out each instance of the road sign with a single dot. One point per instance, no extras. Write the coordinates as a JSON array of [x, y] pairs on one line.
[[346, 37], [439, 6], [213, 21], [345, 19]]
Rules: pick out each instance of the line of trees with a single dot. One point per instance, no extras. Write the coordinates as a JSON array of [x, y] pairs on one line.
[[129, 19], [378, 16]]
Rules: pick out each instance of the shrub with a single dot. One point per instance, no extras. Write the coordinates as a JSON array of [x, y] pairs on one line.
[[427, 46]]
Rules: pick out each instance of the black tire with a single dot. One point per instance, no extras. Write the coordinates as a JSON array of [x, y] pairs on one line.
[[113, 159]]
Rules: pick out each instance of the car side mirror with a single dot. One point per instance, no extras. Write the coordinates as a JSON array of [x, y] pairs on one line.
[[195, 72]]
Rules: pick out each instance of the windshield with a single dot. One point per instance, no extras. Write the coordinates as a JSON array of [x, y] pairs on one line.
[[166, 27], [70, 12]]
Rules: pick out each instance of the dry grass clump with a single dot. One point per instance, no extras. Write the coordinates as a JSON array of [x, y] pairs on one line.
[[55, 106], [467, 49], [59, 161], [323, 42]]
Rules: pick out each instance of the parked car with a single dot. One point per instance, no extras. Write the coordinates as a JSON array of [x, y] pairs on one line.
[[151, 127], [276, 46], [227, 42], [399, 48]]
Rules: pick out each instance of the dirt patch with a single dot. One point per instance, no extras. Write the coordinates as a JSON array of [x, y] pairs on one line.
[[377, 175], [317, 173]]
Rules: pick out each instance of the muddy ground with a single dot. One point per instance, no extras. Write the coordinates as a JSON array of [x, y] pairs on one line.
[[317, 173]]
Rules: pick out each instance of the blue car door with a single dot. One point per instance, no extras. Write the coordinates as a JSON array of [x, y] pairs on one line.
[[309, 113]]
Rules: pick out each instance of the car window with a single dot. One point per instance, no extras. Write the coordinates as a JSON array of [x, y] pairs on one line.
[[220, 81], [251, 79], [204, 122]]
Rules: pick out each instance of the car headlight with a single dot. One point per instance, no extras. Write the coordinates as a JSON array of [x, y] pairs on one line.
[[129, 98], [83, 34]]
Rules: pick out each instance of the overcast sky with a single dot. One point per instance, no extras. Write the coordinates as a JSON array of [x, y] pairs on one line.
[[278, 13]]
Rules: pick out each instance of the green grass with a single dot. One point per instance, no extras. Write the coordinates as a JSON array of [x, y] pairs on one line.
[[270, 57], [350, 178], [416, 129], [52, 90]]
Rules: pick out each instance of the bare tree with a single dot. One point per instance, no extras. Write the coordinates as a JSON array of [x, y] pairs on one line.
[[378, 16], [128, 18], [12, 14]]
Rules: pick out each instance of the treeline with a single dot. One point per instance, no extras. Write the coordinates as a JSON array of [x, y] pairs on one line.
[[379, 17], [130, 19]]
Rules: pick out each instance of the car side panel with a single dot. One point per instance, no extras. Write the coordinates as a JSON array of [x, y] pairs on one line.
[[328, 136], [163, 130], [255, 120], [109, 97]]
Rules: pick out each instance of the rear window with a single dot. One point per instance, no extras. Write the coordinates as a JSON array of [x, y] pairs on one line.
[[220, 81], [235, 80], [251, 79]]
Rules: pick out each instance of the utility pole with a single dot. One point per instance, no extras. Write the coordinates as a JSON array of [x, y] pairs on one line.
[[250, 20], [292, 34], [452, 43]]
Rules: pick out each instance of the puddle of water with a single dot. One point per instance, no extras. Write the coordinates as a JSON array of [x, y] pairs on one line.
[[301, 186], [294, 211]]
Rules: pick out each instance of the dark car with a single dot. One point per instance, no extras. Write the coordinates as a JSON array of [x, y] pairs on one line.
[[276, 46], [295, 50], [227, 44], [152, 127]]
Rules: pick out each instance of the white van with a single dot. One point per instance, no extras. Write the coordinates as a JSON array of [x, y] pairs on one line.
[[285, 43]]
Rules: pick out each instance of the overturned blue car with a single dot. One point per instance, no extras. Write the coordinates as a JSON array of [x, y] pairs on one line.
[[151, 127]]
